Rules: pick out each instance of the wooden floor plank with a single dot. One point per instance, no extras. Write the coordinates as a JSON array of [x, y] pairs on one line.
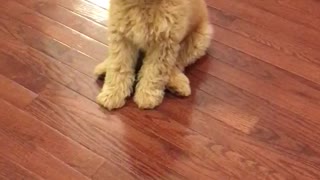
[[165, 131], [54, 29], [283, 11], [25, 127], [292, 102], [279, 78], [214, 108], [100, 3], [113, 126], [264, 71], [10, 170], [69, 18], [21, 74], [238, 119], [306, 6], [23, 55], [26, 35], [90, 9], [268, 20], [285, 44], [272, 119], [15, 93], [224, 153], [29, 155], [86, 9], [111, 171], [3, 177], [253, 113], [265, 130], [304, 69]]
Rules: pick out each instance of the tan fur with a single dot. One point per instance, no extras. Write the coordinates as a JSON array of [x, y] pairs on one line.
[[173, 34]]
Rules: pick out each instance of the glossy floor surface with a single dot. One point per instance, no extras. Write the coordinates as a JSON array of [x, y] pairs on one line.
[[254, 113]]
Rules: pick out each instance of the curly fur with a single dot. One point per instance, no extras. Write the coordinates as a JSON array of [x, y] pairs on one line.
[[172, 33]]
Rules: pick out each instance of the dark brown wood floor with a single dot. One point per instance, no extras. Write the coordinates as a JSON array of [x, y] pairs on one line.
[[254, 113]]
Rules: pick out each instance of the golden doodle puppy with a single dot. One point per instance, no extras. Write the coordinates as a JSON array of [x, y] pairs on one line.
[[172, 33]]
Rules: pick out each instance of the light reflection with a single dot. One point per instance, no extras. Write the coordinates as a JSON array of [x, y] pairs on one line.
[[102, 3]]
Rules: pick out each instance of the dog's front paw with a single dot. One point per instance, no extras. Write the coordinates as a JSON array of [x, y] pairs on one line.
[[111, 100], [148, 99]]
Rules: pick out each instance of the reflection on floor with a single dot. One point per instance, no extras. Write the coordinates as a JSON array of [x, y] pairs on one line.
[[254, 113]]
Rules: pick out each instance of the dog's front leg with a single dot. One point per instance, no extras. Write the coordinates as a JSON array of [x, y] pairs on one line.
[[154, 75], [120, 76]]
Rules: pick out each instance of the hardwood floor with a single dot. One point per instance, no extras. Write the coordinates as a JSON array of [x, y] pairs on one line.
[[254, 112]]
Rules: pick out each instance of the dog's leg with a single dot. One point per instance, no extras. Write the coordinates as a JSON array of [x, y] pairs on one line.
[[120, 66], [192, 48], [154, 75], [100, 69], [179, 83], [195, 45]]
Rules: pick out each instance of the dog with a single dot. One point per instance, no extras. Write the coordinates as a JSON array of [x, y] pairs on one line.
[[172, 33]]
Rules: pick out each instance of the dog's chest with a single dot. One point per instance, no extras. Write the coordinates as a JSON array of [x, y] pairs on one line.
[[144, 27]]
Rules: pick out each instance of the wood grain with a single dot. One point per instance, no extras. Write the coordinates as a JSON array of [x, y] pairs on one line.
[[121, 130], [11, 170], [27, 128], [27, 154], [268, 20], [15, 93], [253, 114], [54, 29], [70, 17]]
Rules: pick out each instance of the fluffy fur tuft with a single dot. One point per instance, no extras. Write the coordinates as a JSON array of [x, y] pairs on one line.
[[172, 33]]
